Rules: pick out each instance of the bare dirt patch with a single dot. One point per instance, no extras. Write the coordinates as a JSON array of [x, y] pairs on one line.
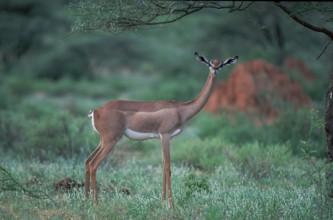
[[67, 184]]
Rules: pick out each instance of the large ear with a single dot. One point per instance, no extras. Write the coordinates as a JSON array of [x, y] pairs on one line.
[[228, 61], [202, 59]]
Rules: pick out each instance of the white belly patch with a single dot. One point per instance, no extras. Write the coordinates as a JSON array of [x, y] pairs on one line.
[[139, 135], [144, 136]]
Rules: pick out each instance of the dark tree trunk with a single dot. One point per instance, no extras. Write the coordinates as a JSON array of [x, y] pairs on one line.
[[329, 137]]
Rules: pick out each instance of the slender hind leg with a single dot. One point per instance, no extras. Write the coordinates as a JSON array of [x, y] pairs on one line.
[[105, 149], [87, 170]]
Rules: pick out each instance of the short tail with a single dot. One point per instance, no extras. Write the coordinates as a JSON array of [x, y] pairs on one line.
[[91, 116]]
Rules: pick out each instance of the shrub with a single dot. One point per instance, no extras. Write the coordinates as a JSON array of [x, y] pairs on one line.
[[45, 137], [256, 161], [195, 183], [234, 128], [202, 154], [11, 130], [59, 135], [300, 129]]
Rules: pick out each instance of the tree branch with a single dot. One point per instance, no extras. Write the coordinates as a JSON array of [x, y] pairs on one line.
[[303, 22], [307, 25], [118, 16]]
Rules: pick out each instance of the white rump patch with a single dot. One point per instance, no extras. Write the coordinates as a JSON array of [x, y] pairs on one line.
[[91, 116]]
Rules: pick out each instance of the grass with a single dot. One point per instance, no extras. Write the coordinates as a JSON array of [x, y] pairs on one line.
[[295, 190]]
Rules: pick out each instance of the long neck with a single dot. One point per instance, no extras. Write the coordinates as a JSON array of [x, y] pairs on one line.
[[191, 108]]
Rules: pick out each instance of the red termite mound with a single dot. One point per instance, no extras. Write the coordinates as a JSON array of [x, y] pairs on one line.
[[298, 66], [256, 88]]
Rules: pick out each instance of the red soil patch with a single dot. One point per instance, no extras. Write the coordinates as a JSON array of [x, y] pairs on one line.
[[256, 88]]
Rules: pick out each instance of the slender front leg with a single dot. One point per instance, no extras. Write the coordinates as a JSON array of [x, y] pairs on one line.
[[87, 170], [163, 175], [165, 139]]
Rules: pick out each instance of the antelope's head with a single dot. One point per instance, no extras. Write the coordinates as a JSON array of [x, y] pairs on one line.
[[215, 65]]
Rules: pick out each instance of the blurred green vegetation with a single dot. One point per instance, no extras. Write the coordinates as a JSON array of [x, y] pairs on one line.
[[50, 78]]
